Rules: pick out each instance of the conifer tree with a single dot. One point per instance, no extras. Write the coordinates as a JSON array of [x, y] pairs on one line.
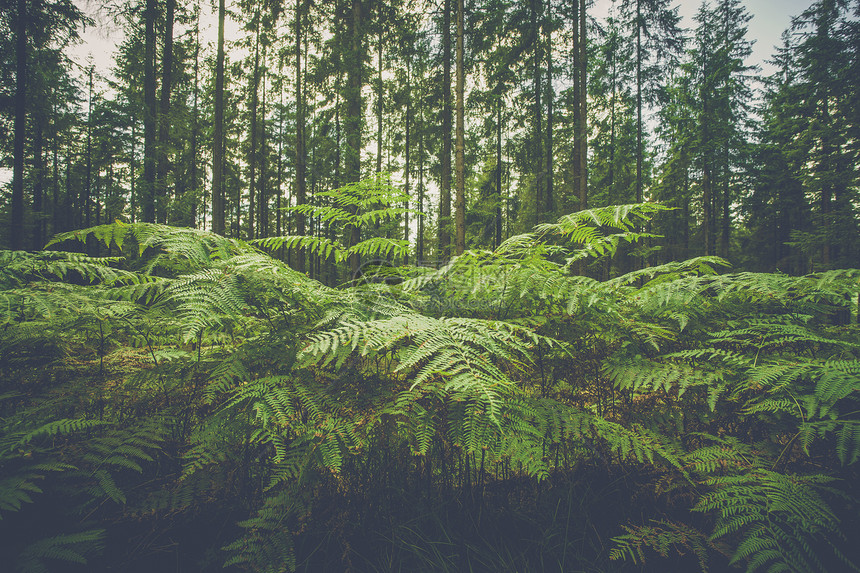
[[655, 44], [722, 97]]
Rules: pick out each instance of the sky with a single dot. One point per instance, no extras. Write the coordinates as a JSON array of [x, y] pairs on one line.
[[770, 19]]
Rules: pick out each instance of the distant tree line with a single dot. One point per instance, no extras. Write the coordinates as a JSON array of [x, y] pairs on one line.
[[491, 115]]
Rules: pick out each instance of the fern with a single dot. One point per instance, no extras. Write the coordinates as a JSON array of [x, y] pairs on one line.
[[19, 488], [197, 374], [458, 350], [847, 434], [357, 205], [662, 537], [267, 545], [586, 223], [783, 519], [41, 556], [163, 244]]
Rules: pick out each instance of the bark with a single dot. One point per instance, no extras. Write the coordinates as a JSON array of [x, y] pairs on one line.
[[407, 152], [497, 240], [445, 184], [577, 108], [419, 247], [85, 203], [195, 129], [612, 120], [252, 154], [725, 234], [354, 114], [280, 168], [55, 192], [639, 127], [537, 114], [16, 223], [379, 103], [150, 115], [132, 168], [460, 147], [38, 181], [263, 202], [163, 165], [301, 154], [549, 201], [707, 182], [218, 207], [583, 107]]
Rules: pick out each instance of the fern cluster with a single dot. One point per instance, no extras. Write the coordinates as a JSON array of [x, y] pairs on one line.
[[186, 374]]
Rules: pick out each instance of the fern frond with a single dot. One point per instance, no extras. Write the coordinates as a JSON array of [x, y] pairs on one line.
[[267, 545], [380, 247], [321, 246], [63, 427], [622, 217], [41, 556], [662, 537], [782, 519]]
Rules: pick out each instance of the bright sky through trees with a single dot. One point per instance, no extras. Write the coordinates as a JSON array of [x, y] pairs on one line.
[[770, 19]]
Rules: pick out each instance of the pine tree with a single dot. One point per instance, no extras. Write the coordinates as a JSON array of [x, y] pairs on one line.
[[655, 44], [722, 87], [822, 59], [613, 165]]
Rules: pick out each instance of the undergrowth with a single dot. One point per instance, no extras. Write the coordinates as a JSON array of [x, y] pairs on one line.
[[190, 401]]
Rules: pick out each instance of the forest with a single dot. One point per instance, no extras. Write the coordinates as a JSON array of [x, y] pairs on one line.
[[413, 285]]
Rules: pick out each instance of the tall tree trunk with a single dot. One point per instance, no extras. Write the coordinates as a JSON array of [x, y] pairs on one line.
[[576, 175], [110, 192], [445, 187], [549, 202], [708, 215], [163, 161], [301, 154], [98, 201], [583, 106], [280, 169], [16, 222], [354, 115], [379, 102], [497, 235], [218, 207], [613, 81], [263, 203], [338, 179], [85, 204], [419, 247], [338, 156], [537, 138], [150, 115], [639, 127], [132, 171], [828, 150], [252, 152], [725, 234], [707, 181], [38, 180], [460, 147], [685, 216], [70, 198], [55, 184], [407, 152], [195, 128]]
